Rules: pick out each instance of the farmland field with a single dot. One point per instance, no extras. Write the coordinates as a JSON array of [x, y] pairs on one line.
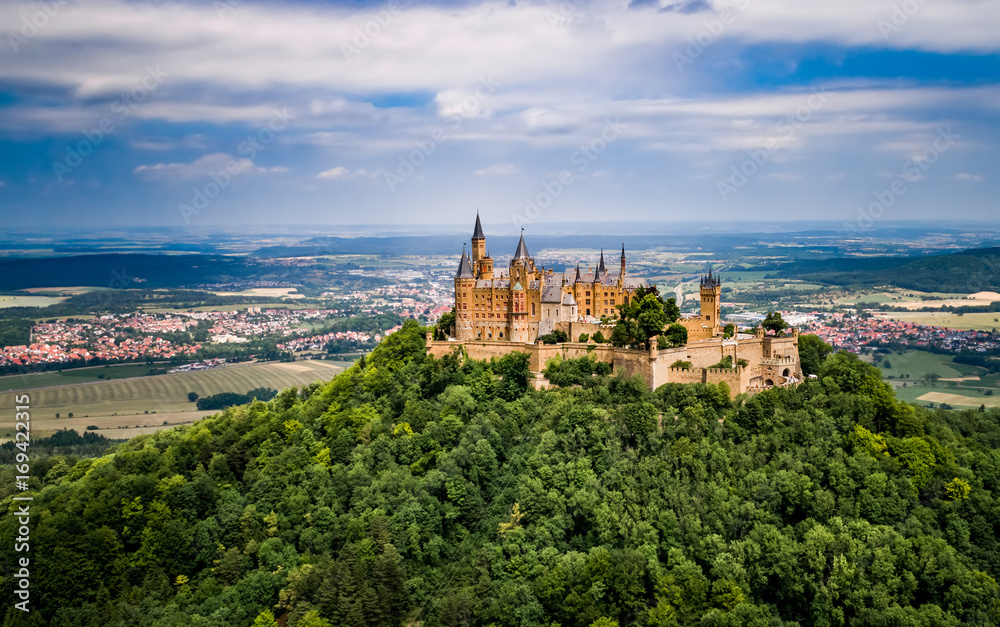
[[972, 321], [114, 404], [914, 364], [76, 375], [10, 300]]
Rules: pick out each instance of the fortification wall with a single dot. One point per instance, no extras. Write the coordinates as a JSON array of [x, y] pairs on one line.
[[773, 361]]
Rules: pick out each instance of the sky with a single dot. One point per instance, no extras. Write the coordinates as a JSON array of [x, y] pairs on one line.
[[121, 113]]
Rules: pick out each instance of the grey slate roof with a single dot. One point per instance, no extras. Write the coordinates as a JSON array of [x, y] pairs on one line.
[[478, 232], [464, 267], [522, 250], [552, 293]]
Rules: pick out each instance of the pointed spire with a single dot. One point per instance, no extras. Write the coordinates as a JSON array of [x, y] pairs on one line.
[[577, 280], [464, 267], [522, 250], [600, 266], [477, 233]]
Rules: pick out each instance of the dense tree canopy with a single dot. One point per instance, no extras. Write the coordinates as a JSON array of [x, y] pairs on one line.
[[447, 492]]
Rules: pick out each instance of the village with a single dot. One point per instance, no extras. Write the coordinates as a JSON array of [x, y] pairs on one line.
[[860, 334]]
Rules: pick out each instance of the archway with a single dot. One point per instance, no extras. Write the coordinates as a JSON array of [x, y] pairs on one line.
[[769, 382], [786, 373]]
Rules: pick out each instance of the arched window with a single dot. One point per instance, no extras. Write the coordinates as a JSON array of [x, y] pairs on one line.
[[588, 312], [532, 308]]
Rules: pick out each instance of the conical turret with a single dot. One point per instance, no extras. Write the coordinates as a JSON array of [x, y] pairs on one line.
[[522, 249], [464, 267]]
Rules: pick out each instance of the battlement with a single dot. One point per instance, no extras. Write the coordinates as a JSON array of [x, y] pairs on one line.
[[778, 361]]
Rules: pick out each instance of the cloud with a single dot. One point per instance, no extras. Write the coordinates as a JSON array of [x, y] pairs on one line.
[[973, 178], [340, 173], [204, 166], [498, 169], [784, 177], [197, 142]]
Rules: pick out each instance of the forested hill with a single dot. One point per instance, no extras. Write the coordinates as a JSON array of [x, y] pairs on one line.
[[411, 490], [969, 271]]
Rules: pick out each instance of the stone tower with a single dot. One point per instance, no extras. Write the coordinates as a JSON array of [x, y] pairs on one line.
[[711, 300], [465, 281], [478, 247]]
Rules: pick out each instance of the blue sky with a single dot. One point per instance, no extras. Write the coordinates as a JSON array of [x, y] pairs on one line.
[[145, 113]]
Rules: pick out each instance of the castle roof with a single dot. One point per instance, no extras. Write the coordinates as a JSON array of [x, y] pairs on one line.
[[552, 292], [600, 266], [522, 250], [464, 267], [477, 233], [517, 287], [568, 300], [711, 281]]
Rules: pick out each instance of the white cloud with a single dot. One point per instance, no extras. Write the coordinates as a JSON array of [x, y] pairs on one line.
[[498, 169], [973, 178], [340, 173], [207, 165], [784, 177]]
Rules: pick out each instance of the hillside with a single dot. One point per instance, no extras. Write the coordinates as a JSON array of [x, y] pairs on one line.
[[410, 489], [964, 272]]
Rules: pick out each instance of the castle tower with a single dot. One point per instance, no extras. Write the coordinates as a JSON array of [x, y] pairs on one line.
[[478, 246], [465, 281], [711, 301], [518, 314], [601, 270], [486, 267], [521, 264], [623, 262]]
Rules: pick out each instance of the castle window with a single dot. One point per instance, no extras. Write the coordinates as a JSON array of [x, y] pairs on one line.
[[588, 302], [532, 308], [588, 311], [587, 294]]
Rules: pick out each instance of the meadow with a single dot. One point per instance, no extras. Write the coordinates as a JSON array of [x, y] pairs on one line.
[[78, 375], [970, 321], [957, 384], [127, 407]]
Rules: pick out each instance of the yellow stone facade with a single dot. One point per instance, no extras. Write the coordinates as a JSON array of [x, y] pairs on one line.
[[500, 312], [524, 301]]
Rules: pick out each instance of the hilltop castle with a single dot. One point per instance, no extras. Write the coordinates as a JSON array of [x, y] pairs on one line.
[[498, 312], [526, 301]]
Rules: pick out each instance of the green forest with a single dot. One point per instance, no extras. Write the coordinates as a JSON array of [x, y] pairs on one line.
[[411, 490], [965, 272]]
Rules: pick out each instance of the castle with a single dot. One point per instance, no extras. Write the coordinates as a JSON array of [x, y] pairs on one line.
[[528, 301], [498, 312]]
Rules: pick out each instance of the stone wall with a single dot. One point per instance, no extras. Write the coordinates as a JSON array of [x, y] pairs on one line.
[[773, 360]]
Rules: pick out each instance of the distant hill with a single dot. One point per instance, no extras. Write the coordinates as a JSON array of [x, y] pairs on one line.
[[413, 490], [121, 271], [969, 271]]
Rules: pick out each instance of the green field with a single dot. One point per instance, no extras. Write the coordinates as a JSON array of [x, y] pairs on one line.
[[7, 300], [977, 389], [115, 405], [76, 375], [918, 363]]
